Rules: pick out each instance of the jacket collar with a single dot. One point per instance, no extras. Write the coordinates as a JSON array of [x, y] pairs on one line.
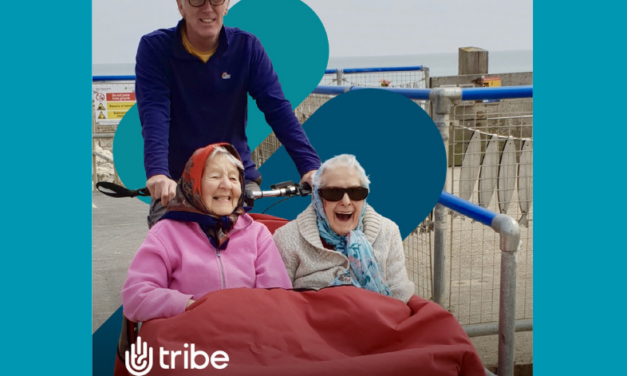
[[308, 225], [243, 221], [181, 53]]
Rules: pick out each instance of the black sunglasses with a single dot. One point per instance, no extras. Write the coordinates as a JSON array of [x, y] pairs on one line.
[[336, 194], [199, 3]]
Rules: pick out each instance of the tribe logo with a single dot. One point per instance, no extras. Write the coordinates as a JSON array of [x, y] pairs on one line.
[[139, 359], [225, 76]]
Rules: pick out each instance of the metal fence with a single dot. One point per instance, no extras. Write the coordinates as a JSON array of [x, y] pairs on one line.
[[491, 154], [416, 77], [508, 232], [265, 150]]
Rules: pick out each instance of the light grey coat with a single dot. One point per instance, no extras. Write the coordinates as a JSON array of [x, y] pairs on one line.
[[310, 265]]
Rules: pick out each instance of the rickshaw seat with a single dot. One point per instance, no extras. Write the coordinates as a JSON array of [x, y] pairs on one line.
[[271, 222]]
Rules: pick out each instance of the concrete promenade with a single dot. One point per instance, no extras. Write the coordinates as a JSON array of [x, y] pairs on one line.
[[119, 227]]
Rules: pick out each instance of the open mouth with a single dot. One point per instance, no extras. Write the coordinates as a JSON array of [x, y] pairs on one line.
[[222, 198], [207, 20], [343, 217]]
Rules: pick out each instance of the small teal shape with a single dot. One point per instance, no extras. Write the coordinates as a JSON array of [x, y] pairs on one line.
[[296, 41], [128, 152]]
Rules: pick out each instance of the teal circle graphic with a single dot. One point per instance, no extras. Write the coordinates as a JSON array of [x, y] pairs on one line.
[[394, 140]]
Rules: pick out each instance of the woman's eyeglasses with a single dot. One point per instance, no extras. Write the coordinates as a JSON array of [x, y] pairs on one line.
[[199, 3], [336, 194]]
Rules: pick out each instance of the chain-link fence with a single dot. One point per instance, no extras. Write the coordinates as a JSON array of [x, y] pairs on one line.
[[418, 260], [399, 77], [303, 112], [491, 158], [265, 150]]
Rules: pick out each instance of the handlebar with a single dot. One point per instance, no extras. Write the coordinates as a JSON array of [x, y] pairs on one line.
[[114, 190], [286, 189]]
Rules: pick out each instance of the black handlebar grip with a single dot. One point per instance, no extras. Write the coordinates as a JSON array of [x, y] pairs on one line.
[[305, 189]]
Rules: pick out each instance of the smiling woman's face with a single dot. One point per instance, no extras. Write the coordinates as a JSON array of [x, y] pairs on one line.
[[343, 215], [221, 186]]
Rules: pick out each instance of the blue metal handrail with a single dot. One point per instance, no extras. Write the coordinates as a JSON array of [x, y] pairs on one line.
[[468, 209], [113, 78], [331, 90], [415, 93], [328, 71], [379, 69], [506, 92]]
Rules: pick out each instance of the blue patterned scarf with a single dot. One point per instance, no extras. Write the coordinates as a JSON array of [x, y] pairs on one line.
[[356, 248]]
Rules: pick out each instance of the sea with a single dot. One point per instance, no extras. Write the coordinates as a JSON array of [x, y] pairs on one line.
[[443, 64]]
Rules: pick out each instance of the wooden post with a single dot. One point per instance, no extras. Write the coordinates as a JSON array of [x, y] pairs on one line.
[[472, 60]]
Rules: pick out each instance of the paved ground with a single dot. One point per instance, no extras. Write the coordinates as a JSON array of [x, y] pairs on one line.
[[119, 227]]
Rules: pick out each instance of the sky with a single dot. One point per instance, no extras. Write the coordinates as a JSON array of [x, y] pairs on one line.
[[354, 27]]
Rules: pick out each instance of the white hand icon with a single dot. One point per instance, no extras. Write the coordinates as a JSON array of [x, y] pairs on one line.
[[140, 360]]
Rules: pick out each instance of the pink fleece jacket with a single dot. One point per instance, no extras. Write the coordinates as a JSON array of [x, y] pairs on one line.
[[177, 263]]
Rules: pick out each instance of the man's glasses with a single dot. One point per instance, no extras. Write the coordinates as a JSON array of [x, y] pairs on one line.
[[199, 3], [336, 194]]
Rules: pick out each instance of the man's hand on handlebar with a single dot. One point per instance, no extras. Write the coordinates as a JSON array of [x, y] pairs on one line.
[[161, 186], [308, 178]]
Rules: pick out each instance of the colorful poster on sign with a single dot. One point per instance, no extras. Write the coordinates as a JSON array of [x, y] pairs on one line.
[[112, 101]]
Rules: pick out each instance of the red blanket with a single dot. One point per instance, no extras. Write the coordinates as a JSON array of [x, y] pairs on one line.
[[340, 331]]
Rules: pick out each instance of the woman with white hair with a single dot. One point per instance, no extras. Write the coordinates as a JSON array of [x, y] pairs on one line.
[[204, 242], [339, 239]]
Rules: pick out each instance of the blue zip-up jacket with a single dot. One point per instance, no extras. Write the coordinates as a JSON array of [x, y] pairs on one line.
[[185, 104]]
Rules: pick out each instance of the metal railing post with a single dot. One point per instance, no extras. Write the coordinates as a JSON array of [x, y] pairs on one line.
[[427, 86], [441, 98], [427, 77], [509, 232], [339, 76]]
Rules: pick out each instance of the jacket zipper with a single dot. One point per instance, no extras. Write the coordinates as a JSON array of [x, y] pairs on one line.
[[222, 267], [221, 271]]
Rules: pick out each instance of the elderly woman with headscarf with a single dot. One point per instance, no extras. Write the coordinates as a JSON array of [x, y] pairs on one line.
[[204, 242], [339, 239]]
